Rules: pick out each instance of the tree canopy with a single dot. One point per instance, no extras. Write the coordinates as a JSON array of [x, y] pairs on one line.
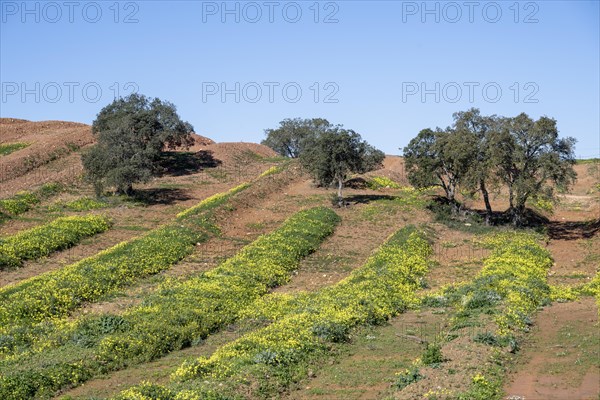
[[290, 138], [479, 152], [131, 134], [532, 160], [334, 153]]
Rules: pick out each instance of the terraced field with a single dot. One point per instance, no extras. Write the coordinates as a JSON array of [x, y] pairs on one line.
[[231, 276]]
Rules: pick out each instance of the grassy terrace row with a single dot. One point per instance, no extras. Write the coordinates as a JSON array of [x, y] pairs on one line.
[[24, 201], [304, 326], [513, 280], [507, 291], [180, 313], [40, 241], [8, 148], [55, 294]]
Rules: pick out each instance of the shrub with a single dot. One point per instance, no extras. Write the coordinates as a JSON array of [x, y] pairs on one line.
[[408, 376], [432, 354]]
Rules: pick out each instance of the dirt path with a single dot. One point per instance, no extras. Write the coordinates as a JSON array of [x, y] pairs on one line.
[[561, 359]]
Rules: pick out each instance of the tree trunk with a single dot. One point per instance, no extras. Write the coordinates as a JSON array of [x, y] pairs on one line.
[[126, 190], [518, 215], [486, 199], [339, 193], [450, 194]]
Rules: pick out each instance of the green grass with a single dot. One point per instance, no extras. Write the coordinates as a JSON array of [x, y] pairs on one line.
[[82, 204], [6, 149], [306, 326], [24, 201], [179, 314], [40, 241]]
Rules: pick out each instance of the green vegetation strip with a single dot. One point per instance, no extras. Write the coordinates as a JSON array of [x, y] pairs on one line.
[[180, 313], [82, 204], [510, 287], [304, 326], [24, 201], [382, 182], [40, 241], [514, 278], [57, 293], [212, 201], [6, 149], [592, 289]]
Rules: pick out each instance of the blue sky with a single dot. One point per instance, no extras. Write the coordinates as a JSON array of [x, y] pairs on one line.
[[385, 69]]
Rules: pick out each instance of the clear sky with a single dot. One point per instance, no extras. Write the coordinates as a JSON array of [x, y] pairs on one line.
[[383, 68]]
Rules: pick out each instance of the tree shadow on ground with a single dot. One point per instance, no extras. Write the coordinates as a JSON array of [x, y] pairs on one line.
[[556, 230], [154, 196], [179, 163], [573, 230], [367, 198]]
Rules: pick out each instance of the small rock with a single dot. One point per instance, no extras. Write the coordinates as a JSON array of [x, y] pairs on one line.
[[311, 373]]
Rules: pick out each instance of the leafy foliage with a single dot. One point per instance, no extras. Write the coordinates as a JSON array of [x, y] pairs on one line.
[[335, 153], [478, 153], [530, 156], [292, 135], [131, 133]]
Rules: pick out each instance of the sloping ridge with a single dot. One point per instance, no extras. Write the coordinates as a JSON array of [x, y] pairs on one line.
[[52, 152]]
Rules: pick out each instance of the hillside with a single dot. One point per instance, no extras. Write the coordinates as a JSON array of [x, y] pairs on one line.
[[53, 152], [210, 263]]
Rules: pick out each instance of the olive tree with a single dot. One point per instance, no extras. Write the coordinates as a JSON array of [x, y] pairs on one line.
[[335, 153], [532, 160], [439, 158], [476, 129], [290, 138], [131, 134]]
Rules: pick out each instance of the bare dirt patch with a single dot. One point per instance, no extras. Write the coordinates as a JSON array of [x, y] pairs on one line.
[[560, 360]]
